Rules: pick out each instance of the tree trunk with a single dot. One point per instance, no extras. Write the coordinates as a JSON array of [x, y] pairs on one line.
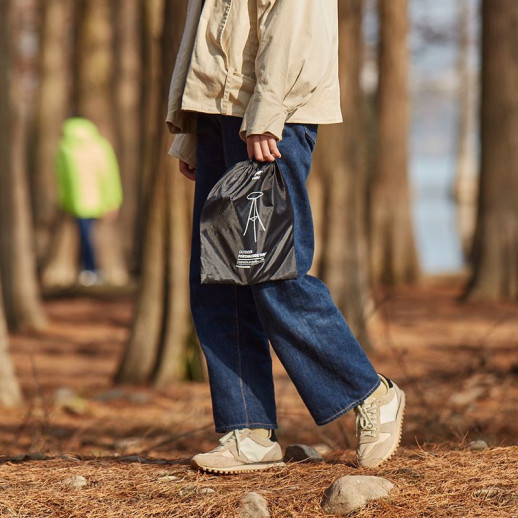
[[495, 254], [18, 51], [94, 98], [156, 351], [140, 355], [341, 162], [151, 119], [393, 254], [52, 107], [10, 394], [95, 66], [128, 98], [465, 190]]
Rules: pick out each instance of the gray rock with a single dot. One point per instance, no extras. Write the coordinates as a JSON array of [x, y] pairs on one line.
[[139, 398], [467, 396], [352, 492], [134, 458], [253, 505], [188, 490], [322, 448], [110, 395], [63, 394], [28, 456], [301, 452], [478, 445], [206, 491], [127, 443], [75, 482], [487, 493], [70, 401], [69, 457]]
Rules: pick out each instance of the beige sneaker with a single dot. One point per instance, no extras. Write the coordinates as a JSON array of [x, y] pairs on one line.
[[379, 422], [240, 451]]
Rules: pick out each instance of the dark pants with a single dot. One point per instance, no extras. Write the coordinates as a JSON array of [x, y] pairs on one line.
[[234, 323], [86, 251]]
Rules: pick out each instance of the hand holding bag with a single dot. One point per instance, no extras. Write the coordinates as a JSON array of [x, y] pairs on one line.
[[247, 227]]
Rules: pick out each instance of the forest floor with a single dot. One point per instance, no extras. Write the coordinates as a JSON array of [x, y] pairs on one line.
[[458, 363]]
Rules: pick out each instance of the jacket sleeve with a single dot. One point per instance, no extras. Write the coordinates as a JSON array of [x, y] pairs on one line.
[[64, 194], [288, 64], [111, 189], [184, 148]]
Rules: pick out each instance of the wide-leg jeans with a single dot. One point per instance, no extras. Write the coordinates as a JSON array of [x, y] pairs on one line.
[[298, 317]]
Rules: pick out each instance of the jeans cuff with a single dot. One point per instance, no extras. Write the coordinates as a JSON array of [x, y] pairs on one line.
[[352, 405], [239, 426]]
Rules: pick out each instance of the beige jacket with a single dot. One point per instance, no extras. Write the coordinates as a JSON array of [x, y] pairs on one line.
[[267, 61]]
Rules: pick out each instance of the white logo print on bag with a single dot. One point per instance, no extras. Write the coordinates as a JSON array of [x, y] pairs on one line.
[[253, 215]]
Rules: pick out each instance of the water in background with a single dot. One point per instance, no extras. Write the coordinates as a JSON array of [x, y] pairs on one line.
[[433, 136]]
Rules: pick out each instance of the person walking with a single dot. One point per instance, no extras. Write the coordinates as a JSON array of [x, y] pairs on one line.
[[89, 186], [253, 79]]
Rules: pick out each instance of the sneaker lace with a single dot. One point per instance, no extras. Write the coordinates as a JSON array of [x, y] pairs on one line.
[[227, 439], [366, 422]]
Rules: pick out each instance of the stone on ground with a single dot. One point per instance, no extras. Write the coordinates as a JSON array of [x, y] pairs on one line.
[[322, 448], [352, 492], [253, 505], [301, 452], [76, 482], [478, 445]]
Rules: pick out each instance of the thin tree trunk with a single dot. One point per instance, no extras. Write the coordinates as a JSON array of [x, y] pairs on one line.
[[95, 62], [128, 98], [393, 254], [52, 107], [172, 364], [151, 119], [342, 164], [62, 262], [95, 101], [10, 394], [18, 51], [156, 351], [495, 254], [140, 355], [465, 190]]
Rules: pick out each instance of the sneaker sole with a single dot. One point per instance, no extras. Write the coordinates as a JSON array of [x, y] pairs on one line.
[[244, 468], [399, 420]]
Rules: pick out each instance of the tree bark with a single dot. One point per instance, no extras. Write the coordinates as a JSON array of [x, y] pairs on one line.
[[94, 100], [156, 351], [341, 162], [465, 190], [140, 355], [18, 52], [151, 119], [61, 266], [393, 254], [10, 394], [95, 66], [52, 106], [128, 98], [495, 253]]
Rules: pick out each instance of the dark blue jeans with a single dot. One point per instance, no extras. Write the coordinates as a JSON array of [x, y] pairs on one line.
[[234, 323], [86, 250]]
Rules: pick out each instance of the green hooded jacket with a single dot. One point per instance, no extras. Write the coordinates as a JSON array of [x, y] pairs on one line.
[[88, 174]]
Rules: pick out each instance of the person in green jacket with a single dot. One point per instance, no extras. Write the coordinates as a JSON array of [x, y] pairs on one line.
[[89, 185]]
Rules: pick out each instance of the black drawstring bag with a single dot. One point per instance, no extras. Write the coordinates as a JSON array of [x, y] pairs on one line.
[[247, 227]]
